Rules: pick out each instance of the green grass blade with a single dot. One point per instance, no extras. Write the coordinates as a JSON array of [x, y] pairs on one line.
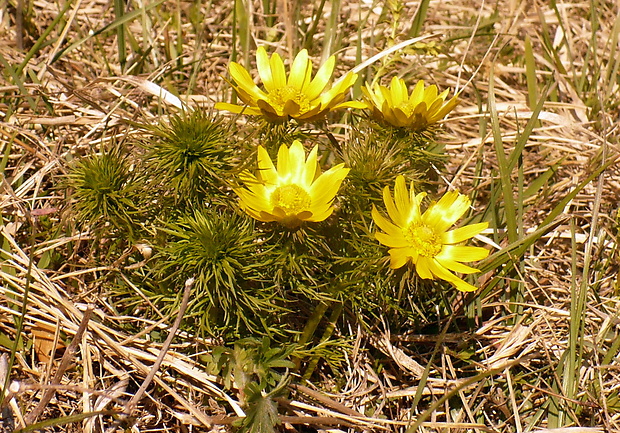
[[43, 38], [309, 37], [516, 249], [128, 17], [530, 73], [119, 12], [15, 75], [418, 19], [503, 165], [538, 183], [70, 419]]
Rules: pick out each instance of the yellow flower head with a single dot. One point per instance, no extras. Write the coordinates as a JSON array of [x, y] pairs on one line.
[[417, 111], [300, 96], [294, 192], [424, 238]]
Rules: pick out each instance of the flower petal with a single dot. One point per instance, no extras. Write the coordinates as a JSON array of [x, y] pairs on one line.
[[430, 94], [291, 108], [310, 168], [444, 213], [417, 95], [326, 186], [455, 266], [322, 77], [463, 253], [398, 91], [399, 220], [278, 72], [402, 199], [299, 70], [283, 166], [238, 109], [266, 169], [423, 268], [444, 274], [264, 69], [359, 105], [385, 225], [463, 233], [398, 258], [391, 241], [267, 107], [294, 172]]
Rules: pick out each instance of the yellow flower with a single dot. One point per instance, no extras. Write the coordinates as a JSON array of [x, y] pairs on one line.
[[417, 111], [299, 97], [294, 192], [424, 239]]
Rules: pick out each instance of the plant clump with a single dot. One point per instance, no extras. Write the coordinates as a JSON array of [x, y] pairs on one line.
[[278, 224]]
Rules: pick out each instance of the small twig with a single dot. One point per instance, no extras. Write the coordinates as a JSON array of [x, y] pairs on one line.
[[67, 357], [19, 24], [133, 403], [308, 420], [322, 398]]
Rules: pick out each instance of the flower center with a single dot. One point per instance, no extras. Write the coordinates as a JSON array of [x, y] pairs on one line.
[[292, 199], [279, 97], [423, 239]]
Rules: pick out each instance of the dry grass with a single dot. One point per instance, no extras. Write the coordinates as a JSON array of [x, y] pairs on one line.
[[74, 97]]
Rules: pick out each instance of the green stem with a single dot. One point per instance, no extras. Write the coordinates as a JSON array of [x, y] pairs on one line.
[[310, 327], [326, 335]]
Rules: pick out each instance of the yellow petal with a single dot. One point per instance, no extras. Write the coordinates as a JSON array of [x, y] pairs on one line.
[[386, 96], [283, 163], [444, 274], [336, 94], [463, 233], [463, 253], [448, 107], [443, 94], [312, 114], [326, 186], [433, 111], [322, 77], [423, 268], [267, 171], [402, 197], [243, 79], [291, 108], [320, 215], [398, 91], [264, 69], [352, 104], [374, 96], [421, 109], [268, 108], [310, 168], [443, 214], [391, 118], [455, 266], [299, 70], [391, 241], [385, 225], [238, 109], [267, 217], [402, 118], [278, 73], [308, 216], [417, 95], [296, 164], [399, 220], [398, 258], [430, 93]]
